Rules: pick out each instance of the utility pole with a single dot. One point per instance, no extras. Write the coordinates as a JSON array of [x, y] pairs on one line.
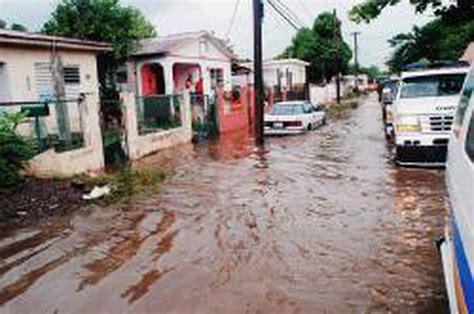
[[356, 58], [258, 78], [337, 58]]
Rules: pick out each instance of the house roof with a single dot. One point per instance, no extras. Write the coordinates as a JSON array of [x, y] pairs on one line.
[[166, 44], [469, 54], [279, 62], [15, 38], [285, 61]]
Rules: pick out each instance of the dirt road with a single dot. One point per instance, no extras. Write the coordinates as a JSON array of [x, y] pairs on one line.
[[321, 223]]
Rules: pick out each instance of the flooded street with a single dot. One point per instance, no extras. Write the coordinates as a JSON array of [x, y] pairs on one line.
[[321, 223]]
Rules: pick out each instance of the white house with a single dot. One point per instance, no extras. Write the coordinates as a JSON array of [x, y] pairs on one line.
[[167, 65], [283, 73], [25, 62], [70, 142]]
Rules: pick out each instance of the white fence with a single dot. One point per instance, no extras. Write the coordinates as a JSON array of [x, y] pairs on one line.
[[139, 145], [88, 158]]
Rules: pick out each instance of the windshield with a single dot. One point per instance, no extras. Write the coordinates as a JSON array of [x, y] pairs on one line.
[[432, 85], [287, 110]]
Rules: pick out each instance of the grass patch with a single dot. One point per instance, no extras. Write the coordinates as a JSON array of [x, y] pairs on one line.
[[337, 111], [125, 182]]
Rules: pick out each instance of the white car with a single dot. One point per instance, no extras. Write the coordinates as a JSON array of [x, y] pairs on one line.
[[293, 117], [457, 248], [423, 114]]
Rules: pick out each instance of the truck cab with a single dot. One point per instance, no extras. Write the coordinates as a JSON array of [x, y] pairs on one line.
[[423, 114]]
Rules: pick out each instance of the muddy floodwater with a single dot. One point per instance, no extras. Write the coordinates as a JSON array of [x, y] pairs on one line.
[[320, 223]]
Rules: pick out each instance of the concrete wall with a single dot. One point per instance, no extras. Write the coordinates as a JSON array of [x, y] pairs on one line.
[[141, 145], [240, 113], [322, 94], [87, 159], [327, 93]]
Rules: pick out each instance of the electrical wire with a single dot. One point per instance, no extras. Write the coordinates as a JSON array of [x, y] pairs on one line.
[[289, 12], [233, 19], [283, 15], [306, 10]]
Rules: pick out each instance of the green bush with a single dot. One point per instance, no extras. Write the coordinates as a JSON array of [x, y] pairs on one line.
[[15, 150]]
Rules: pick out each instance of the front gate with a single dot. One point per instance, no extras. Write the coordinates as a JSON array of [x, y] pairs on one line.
[[204, 114]]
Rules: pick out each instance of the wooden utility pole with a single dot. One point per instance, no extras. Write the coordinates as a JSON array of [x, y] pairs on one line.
[[258, 77], [356, 58], [337, 58]]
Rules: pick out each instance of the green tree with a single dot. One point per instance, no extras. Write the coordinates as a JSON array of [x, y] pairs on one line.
[[318, 46], [435, 41], [372, 72], [3, 24], [18, 27], [102, 20], [450, 10]]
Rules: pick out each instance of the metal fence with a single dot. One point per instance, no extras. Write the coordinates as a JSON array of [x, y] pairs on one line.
[[204, 116], [50, 124], [159, 113]]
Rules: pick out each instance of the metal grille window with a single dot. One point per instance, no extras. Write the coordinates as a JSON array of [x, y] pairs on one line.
[[71, 75]]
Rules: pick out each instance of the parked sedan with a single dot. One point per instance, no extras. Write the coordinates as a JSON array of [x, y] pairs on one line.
[[293, 117]]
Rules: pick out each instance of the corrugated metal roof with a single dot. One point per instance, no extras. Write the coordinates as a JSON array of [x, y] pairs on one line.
[[166, 44], [32, 39]]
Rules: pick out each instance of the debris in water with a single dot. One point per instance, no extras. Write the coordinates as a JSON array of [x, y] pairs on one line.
[[97, 192]]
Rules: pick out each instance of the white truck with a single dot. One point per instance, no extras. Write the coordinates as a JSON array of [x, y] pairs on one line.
[[423, 114]]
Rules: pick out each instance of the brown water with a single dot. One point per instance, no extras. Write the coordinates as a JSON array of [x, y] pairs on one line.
[[321, 223]]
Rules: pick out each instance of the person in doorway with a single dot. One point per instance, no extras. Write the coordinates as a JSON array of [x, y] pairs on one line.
[[200, 86], [189, 82]]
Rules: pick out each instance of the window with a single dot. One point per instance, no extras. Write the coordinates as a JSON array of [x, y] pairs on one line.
[[4, 86], [466, 95], [470, 139], [317, 108], [432, 85], [287, 110], [217, 78], [308, 108], [122, 77], [71, 75]]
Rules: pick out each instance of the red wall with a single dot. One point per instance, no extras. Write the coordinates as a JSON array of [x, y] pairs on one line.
[[241, 113], [149, 83]]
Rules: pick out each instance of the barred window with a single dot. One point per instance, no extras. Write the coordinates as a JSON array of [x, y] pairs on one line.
[[71, 75]]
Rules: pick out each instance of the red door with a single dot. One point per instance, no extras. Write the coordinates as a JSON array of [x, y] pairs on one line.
[[149, 83]]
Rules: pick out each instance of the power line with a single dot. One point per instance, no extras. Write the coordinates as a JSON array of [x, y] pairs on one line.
[[289, 12], [306, 11], [233, 19], [283, 15]]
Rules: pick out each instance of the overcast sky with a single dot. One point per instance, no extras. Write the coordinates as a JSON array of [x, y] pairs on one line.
[[173, 16]]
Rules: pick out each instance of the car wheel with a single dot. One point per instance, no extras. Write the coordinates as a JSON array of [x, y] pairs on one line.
[[310, 127]]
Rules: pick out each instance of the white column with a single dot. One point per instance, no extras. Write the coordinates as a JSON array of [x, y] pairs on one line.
[[168, 76]]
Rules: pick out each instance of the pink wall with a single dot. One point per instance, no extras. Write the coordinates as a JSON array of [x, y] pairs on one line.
[[241, 112]]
